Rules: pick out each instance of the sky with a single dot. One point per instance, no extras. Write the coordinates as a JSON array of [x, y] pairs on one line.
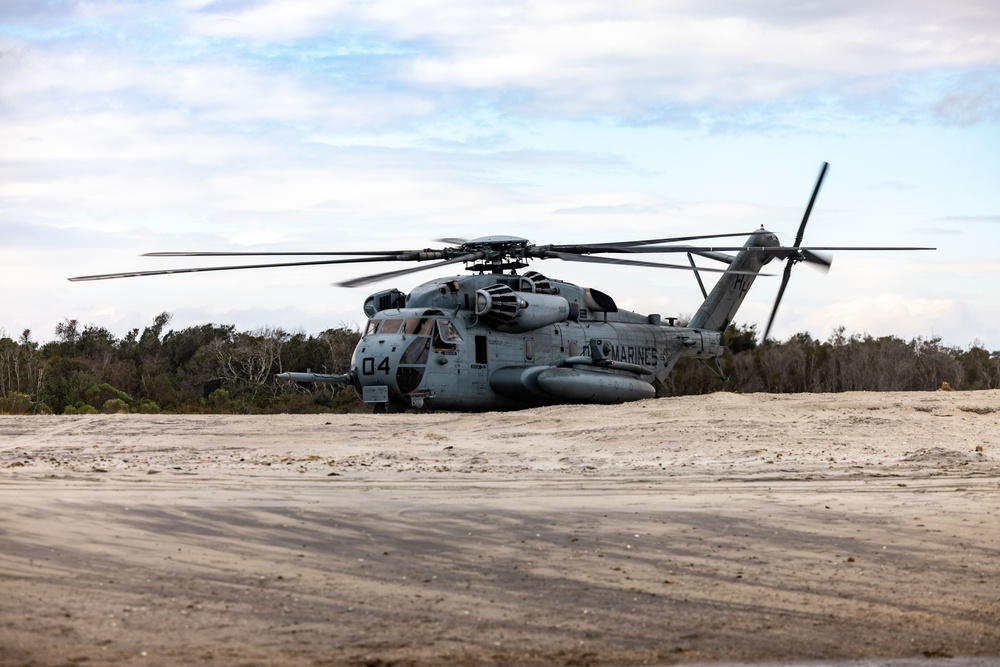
[[130, 126]]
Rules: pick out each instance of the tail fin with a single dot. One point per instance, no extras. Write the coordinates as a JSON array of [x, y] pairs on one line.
[[727, 296]]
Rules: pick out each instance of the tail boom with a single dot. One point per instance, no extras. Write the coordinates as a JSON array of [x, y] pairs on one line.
[[719, 309]]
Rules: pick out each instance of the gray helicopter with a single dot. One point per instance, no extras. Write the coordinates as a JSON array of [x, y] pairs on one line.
[[499, 339]]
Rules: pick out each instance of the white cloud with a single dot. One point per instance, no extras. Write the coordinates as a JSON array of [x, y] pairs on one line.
[[887, 312], [634, 58], [636, 55], [269, 21]]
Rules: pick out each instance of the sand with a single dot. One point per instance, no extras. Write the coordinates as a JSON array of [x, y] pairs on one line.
[[679, 530]]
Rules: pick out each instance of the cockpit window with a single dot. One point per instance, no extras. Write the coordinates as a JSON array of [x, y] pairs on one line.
[[448, 332], [446, 336], [417, 351], [391, 326], [419, 325]]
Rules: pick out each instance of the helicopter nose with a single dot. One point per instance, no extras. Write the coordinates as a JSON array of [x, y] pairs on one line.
[[396, 362]]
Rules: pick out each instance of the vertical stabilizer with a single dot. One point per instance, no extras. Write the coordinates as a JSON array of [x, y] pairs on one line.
[[720, 307]]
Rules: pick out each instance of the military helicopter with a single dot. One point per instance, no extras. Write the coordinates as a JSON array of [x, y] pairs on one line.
[[499, 339]]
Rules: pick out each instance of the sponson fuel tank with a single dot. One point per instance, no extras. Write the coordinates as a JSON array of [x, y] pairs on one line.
[[541, 383]]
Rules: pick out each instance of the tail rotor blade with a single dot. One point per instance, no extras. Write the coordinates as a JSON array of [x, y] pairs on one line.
[[777, 301], [801, 255], [821, 261], [812, 200]]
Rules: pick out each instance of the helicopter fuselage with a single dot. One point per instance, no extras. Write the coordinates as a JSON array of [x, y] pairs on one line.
[[496, 341], [499, 341]]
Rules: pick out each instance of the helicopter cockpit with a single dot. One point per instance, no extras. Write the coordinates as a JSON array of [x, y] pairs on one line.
[[396, 347], [442, 329]]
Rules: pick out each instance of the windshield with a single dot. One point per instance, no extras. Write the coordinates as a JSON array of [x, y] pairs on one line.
[[445, 332], [419, 325]]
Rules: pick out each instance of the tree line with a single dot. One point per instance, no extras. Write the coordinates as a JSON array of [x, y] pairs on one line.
[[206, 368], [216, 369], [858, 362]]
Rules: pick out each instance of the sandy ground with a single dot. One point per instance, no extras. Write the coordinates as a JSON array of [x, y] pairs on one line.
[[681, 530]]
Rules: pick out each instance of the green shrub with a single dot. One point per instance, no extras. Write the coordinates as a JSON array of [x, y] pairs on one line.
[[100, 394], [220, 401], [115, 406], [80, 408], [16, 403], [147, 407]]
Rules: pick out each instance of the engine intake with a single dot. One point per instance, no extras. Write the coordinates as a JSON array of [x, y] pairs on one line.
[[503, 308]]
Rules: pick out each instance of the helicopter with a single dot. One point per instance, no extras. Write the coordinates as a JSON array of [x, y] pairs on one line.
[[500, 340]]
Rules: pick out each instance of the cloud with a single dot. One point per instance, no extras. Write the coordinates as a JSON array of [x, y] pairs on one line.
[[265, 21], [334, 63], [892, 185], [20, 235], [880, 314], [938, 231], [974, 99], [634, 60], [971, 219], [629, 209], [888, 310]]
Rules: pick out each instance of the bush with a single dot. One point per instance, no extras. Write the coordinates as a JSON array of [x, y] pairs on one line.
[[115, 406], [147, 407], [101, 394], [80, 408], [219, 401], [16, 403]]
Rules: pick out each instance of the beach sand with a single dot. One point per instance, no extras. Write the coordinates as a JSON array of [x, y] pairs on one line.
[[677, 530]]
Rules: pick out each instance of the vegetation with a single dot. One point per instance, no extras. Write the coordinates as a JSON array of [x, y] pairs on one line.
[[841, 363], [214, 368], [207, 368]]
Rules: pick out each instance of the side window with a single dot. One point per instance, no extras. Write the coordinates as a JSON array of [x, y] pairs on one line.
[[446, 336], [481, 357], [449, 333], [372, 327], [529, 349]]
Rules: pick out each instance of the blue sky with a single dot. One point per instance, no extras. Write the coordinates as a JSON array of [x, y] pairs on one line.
[[130, 127]]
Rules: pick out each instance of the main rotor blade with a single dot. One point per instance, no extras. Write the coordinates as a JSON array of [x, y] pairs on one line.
[[364, 280], [856, 247], [773, 250], [161, 272], [570, 257], [274, 254], [600, 247]]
